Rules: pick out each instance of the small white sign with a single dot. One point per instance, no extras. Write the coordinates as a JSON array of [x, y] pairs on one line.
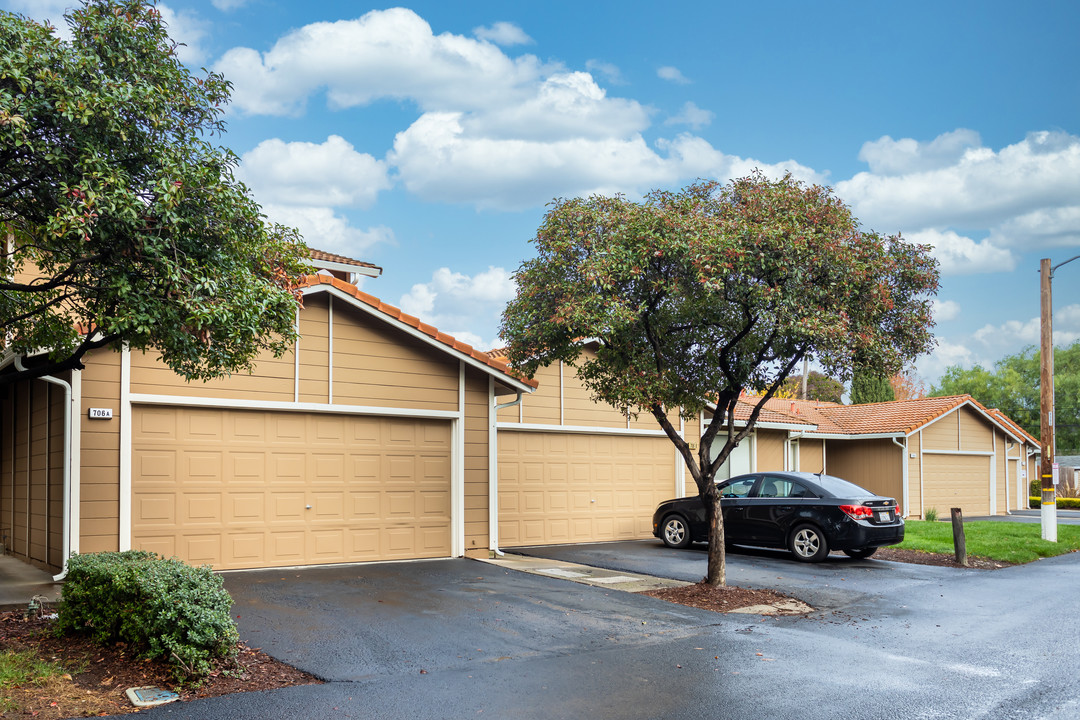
[[1056, 474], [101, 413]]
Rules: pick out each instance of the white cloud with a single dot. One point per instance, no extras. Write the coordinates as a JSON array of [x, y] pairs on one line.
[[672, 74], [227, 5], [945, 310], [383, 54], [691, 115], [301, 173], [188, 29], [563, 105], [960, 255], [42, 10], [980, 189], [503, 33], [324, 229], [933, 365], [609, 71], [1044, 228], [454, 302], [1008, 335], [886, 156], [440, 160]]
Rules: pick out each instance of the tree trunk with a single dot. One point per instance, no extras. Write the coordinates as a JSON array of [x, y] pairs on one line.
[[717, 572]]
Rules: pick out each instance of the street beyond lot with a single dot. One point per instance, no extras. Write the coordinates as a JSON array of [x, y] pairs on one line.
[[464, 639]]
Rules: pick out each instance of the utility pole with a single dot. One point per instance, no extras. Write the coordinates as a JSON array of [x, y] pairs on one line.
[[1048, 422], [1046, 402]]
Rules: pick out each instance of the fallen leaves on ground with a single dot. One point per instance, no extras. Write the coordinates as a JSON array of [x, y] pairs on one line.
[[97, 676]]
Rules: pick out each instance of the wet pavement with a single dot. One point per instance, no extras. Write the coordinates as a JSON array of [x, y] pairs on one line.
[[461, 638]]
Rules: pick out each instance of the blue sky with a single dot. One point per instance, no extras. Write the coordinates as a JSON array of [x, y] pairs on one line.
[[428, 139]]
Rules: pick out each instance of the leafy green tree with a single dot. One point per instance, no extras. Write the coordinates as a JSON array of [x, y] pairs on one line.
[[870, 386], [1013, 387], [119, 220], [819, 386], [695, 296]]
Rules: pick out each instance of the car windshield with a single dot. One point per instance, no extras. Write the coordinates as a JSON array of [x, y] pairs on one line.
[[841, 488]]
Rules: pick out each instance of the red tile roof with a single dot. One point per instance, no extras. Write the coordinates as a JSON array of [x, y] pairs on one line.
[[397, 314], [331, 257], [894, 417]]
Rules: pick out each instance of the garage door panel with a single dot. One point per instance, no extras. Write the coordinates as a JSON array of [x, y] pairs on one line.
[[286, 467], [246, 508], [564, 487], [247, 467]]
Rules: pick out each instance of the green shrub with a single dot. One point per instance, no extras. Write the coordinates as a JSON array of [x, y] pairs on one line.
[[930, 515], [1035, 487], [161, 608], [1062, 503]]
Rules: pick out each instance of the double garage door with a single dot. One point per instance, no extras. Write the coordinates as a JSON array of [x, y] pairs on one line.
[[246, 489], [566, 487]]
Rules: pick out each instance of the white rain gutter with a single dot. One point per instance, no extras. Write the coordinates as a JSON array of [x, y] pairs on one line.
[[66, 544], [493, 470], [904, 470]]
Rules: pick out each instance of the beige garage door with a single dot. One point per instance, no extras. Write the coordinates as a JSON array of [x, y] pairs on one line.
[[563, 487], [961, 481], [245, 489]]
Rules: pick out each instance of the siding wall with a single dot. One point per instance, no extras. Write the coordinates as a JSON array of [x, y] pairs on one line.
[[476, 464], [32, 472], [769, 445], [811, 455], [99, 506], [914, 501], [873, 464]]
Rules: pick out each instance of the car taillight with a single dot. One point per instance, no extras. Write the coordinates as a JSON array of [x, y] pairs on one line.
[[857, 511], [898, 514]]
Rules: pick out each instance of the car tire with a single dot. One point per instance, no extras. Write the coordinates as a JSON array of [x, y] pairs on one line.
[[861, 553], [807, 543], [675, 531]]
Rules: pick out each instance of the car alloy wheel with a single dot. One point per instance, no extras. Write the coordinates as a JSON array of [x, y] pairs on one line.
[[808, 544], [676, 534]]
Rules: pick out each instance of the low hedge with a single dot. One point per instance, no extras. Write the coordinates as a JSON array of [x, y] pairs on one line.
[[160, 608], [1063, 503]]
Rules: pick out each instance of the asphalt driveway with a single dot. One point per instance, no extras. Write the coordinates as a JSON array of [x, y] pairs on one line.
[[465, 639]]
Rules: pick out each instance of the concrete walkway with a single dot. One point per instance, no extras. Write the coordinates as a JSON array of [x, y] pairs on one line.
[[21, 581], [584, 574]]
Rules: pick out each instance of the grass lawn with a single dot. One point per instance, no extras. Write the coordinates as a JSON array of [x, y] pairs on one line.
[[1007, 541], [21, 669]]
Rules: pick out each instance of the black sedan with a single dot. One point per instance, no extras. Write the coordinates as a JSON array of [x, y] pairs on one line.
[[806, 513]]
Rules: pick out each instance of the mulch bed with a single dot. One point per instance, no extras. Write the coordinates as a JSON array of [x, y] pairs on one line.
[[99, 675], [717, 599]]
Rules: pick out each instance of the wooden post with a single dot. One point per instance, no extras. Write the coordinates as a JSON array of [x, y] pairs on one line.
[[958, 539], [1048, 512]]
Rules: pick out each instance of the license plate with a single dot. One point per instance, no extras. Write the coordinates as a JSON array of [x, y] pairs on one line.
[[884, 516]]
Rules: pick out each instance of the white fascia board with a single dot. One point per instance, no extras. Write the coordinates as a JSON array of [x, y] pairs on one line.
[[863, 436], [345, 267], [421, 336], [768, 425], [580, 429]]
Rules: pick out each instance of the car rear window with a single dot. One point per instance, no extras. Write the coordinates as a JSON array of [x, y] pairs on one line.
[[841, 488]]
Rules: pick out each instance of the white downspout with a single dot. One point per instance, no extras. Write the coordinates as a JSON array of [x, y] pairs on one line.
[[493, 466], [66, 544], [904, 469]]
